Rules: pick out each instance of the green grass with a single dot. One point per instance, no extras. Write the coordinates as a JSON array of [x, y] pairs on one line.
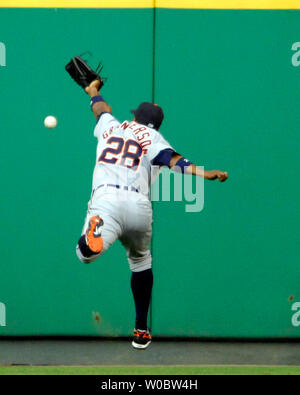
[[150, 370]]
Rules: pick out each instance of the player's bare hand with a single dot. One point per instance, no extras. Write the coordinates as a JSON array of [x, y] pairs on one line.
[[222, 176], [216, 175], [93, 88]]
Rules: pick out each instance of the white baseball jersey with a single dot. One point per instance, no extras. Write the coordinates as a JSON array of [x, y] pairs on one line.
[[121, 181], [125, 153]]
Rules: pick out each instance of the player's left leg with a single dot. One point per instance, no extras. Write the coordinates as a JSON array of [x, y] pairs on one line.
[[100, 231], [90, 244]]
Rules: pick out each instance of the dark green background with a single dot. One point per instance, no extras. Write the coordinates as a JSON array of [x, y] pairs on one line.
[[231, 100]]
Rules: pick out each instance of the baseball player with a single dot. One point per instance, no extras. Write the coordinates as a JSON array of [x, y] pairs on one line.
[[119, 207]]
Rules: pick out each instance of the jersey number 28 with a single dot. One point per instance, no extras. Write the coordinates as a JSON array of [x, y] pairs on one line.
[[122, 152]]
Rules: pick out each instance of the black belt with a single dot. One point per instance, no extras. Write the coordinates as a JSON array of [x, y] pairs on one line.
[[126, 188]]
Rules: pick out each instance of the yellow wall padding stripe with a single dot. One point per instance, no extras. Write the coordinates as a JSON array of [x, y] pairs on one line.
[[180, 4], [229, 4], [77, 3]]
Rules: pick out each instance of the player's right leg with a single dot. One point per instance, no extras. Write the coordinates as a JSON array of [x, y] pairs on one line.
[[136, 240]]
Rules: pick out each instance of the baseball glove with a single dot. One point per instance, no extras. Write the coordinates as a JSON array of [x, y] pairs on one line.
[[82, 74]]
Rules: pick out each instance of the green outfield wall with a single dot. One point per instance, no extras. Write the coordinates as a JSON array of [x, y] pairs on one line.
[[228, 81]]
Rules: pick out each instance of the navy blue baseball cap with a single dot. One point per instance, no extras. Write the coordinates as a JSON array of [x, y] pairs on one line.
[[149, 114]]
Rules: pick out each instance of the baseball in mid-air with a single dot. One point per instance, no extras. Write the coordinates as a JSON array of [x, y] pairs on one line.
[[50, 122]]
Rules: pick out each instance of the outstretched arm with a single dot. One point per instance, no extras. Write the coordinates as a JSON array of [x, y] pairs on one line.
[[100, 106], [197, 171]]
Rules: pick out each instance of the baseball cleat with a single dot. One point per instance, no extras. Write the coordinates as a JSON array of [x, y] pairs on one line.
[[141, 339], [93, 234]]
